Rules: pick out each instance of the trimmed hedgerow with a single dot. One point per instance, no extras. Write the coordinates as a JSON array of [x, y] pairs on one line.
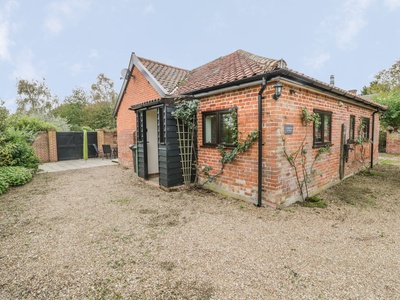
[[12, 176]]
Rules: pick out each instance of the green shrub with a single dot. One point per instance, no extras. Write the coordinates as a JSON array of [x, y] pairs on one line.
[[3, 185], [27, 123], [15, 149], [15, 175]]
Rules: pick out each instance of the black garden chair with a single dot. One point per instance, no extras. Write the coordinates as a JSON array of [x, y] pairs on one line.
[[107, 152], [96, 150]]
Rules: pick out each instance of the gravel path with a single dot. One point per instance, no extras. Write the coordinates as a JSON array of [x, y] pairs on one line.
[[83, 235]]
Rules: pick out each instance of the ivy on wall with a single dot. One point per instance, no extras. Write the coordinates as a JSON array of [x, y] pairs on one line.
[[304, 172], [185, 113]]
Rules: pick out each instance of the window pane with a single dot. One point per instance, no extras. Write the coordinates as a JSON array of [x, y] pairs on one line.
[[365, 129], [318, 129], [352, 126], [210, 129], [228, 129], [327, 128]]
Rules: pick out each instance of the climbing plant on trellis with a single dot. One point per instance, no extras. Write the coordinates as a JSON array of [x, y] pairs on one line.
[[185, 114]]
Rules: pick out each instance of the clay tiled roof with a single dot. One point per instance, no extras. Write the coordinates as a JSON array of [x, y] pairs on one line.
[[349, 94], [169, 77], [237, 65], [233, 67]]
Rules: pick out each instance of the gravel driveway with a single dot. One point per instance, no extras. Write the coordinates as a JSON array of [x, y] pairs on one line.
[[103, 234]]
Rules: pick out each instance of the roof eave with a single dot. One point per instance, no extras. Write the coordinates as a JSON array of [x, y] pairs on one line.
[[124, 85], [297, 77], [134, 61]]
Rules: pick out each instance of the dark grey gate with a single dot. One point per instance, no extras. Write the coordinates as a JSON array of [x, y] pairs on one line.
[[70, 145]]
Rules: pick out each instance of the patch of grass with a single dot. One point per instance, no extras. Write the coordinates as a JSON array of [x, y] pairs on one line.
[[167, 265], [191, 290], [314, 202], [355, 195], [387, 162], [122, 201], [369, 172], [147, 211], [168, 219], [102, 290], [116, 264]]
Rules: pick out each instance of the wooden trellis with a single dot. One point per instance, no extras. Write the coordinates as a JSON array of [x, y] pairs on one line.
[[186, 148]]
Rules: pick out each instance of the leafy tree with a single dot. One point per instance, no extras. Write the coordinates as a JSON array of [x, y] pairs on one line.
[[93, 110], [391, 117], [99, 115], [386, 90], [3, 115], [384, 81], [73, 108], [60, 123], [103, 90], [34, 96]]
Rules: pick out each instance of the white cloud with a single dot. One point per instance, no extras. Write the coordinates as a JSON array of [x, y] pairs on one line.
[[5, 41], [217, 23], [392, 4], [149, 9], [94, 54], [318, 60], [76, 68], [64, 12], [24, 67], [351, 21]]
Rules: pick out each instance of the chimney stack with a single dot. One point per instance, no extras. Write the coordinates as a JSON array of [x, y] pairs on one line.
[[332, 80]]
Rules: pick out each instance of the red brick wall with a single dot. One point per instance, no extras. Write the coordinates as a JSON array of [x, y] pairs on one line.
[[41, 146], [45, 146], [393, 142], [138, 90], [106, 137], [279, 185]]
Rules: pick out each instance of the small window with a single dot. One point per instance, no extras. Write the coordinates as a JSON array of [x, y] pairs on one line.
[[322, 128], [161, 124], [352, 128], [219, 127], [364, 132]]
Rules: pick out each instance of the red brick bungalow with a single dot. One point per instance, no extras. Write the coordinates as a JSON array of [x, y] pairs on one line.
[[247, 83]]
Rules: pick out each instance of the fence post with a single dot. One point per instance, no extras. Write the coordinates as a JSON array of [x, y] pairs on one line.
[[52, 136], [100, 138]]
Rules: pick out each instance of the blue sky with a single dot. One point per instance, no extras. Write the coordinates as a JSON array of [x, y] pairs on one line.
[[69, 42]]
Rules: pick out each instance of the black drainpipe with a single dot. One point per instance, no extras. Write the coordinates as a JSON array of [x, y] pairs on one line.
[[260, 144], [373, 138]]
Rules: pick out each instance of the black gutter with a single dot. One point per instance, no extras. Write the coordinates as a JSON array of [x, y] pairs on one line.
[[236, 82], [260, 144], [289, 74], [373, 139]]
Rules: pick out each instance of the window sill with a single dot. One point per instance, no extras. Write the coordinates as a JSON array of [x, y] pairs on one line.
[[316, 146], [215, 146]]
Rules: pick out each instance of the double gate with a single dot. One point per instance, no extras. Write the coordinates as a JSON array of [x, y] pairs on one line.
[[70, 145]]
